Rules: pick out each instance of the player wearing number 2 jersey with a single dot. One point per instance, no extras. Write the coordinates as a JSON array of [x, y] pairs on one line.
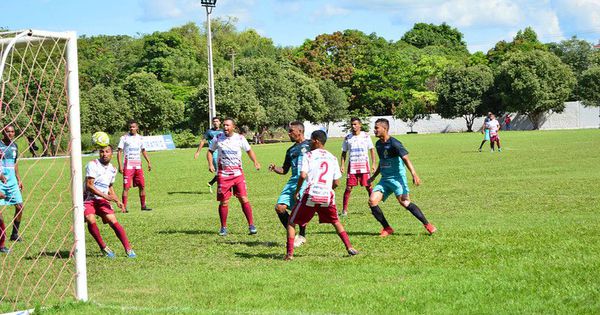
[[321, 171], [129, 158], [392, 159], [230, 176]]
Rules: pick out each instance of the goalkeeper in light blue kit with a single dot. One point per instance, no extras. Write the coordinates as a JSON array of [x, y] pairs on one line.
[[293, 161], [392, 159], [12, 186]]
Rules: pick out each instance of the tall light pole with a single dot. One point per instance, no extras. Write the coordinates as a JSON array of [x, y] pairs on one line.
[[212, 110]]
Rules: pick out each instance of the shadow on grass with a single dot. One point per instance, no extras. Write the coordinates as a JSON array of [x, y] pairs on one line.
[[253, 243], [362, 233], [189, 232], [61, 254], [198, 192], [263, 256]]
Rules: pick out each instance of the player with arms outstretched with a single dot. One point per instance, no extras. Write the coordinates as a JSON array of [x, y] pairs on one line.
[[12, 187], [131, 148], [359, 146], [210, 136], [392, 159], [99, 178], [321, 171], [230, 176], [293, 161]]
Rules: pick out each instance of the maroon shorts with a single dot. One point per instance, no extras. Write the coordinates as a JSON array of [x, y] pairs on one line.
[[358, 179], [494, 138], [231, 185], [302, 213], [133, 176], [99, 207]]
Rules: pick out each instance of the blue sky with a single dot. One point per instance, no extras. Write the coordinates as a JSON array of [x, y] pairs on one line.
[[290, 22]]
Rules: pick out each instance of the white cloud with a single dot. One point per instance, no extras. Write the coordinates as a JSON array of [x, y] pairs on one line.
[[583, 15], [331, 10], [160, 9]]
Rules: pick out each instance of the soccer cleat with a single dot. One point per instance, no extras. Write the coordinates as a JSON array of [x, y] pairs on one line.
[[288, 257], [131, 254], [299, 240], [209, 187], [108, 252], [16, 238], [4, 250], [479, 150], [223, 231], [126, 210], [252, 230], [344, 214], [352, 251], [430, 228], [386, 231], [499, 150], [146, 209]]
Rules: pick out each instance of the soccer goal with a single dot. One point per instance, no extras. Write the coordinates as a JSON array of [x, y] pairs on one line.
[[39, 96]]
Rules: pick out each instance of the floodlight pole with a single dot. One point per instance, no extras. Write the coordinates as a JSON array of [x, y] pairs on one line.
[[212, 111]]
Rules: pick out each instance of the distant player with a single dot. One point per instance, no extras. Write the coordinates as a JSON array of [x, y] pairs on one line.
[[99, 178], [493, 126], [392, 159], [321, 171], [129, 157], [230, 176], [360, 146], [485, 131], [11, 189], [293, 160], [210, 136]]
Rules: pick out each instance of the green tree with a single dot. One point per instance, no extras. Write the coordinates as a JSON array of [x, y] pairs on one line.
[[419, 106], [534, 82], [104, 108], [151, 103], [462, 91], [423, 35], [589, 86], [336, 101], [525, 40]]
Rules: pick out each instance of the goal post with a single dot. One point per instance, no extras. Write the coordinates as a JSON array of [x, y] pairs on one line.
[[39, 98]]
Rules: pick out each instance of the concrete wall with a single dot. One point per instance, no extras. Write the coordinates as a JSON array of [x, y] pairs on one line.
[[574, 116]]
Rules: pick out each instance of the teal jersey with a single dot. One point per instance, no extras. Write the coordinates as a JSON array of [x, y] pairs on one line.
[[8, 154], [390, 155], [293, 158], [212, 134]]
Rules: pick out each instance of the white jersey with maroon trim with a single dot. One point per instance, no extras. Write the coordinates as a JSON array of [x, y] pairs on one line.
[[358, 146], [322, 169], [493, 125], [132, 146], [230, 151], [103, 175]]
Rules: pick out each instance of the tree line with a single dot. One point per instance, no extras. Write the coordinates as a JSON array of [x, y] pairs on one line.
[[160, 79]]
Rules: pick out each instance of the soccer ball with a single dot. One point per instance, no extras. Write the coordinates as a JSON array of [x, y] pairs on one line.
[[101, 138]]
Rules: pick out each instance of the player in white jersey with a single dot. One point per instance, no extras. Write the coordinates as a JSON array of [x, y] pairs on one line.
[[493, 126], [230, 176], [359, 146], [321, 171], [129, 157], [99, 178]]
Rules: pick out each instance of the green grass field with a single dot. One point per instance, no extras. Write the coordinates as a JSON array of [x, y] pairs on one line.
[[518, 232]]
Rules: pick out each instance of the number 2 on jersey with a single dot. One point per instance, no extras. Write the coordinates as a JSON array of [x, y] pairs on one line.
[[325, 168]]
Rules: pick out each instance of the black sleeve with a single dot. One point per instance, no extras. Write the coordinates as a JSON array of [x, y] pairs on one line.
[[287, 163], [399, 148]]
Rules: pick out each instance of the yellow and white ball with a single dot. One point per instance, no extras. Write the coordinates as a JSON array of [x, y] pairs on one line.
[[101, 138]]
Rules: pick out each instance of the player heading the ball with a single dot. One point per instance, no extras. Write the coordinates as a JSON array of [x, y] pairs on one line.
[[230, 175]]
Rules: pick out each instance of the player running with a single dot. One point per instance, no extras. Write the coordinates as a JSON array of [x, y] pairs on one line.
[[100, 175], [321, 171], [210, 136], [392, 159], [360, 146], [293, 160], [230, 176], [12, 187], [131, 145]]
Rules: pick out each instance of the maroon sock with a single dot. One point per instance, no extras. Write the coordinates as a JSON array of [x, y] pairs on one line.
[[143, 201], [248, 212], [2, 233], [346, 199], [223, 211], [290, 246], [345, 239], [120, 232], [125, 202], [93, 228]]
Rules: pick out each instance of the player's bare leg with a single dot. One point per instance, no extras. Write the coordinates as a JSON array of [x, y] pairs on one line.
[[14, 236], [374, 200], [404, 200], [339, 228]]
